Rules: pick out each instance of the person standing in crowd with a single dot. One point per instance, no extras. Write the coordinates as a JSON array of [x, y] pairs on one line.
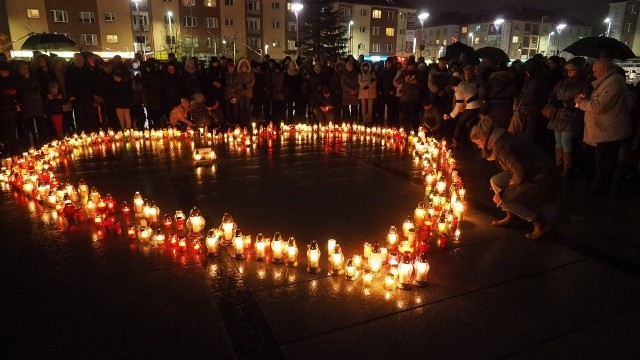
[[532, 100], [409, 97], [466, 110], [32, 116], [247, 81], [527, 179], [172, 87], [213, 87], [606, 121], [53, 108], [191, 77], [568, 119], [152, 91], [81, 89], [232, 93], [438, 80], [259, 102], [59, 68], [292, 86], [499, 95], [367, 92], [8, 112], [350, 87], [387, 92], [122, 92], [277, 93], [336, 88]]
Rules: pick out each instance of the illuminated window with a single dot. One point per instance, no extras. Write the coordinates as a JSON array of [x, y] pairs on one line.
[[464, 30], [112, 39], [515, 39], [191, 41], [109, 16], [476, 40], [89, 39], [291, 44], [59, 16], [390, 31], [376, 14], [212, 23], [190, 21], [33, 14], [209, 3]]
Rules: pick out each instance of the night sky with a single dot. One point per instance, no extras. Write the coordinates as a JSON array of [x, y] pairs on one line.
[[590, 11]]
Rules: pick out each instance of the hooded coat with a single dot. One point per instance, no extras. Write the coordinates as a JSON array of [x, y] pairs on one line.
[[367, 81], [247, 78]]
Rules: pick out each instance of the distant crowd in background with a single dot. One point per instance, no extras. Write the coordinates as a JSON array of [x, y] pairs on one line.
[[50, 97]]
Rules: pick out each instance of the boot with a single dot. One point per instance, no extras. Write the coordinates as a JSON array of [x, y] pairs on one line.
[[568, 165], [559, 158], [540, 228], [508, 221]]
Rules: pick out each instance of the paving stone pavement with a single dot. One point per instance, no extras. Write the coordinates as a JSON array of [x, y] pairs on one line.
[[66, 293]]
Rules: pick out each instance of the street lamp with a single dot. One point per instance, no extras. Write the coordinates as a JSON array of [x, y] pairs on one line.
[[169, 15], [559, 28], [470, 43], [497, 24], [139, 26], [297, 7], [350, 37], [608, 22], [422, 17]]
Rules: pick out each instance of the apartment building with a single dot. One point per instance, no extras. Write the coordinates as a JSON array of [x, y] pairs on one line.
[[234, 28], [378, 28], [623, 24]]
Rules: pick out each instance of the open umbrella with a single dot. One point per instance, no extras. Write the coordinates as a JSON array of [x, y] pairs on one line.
[[456, 49], [47, 41], [593, 46], [493, 53]]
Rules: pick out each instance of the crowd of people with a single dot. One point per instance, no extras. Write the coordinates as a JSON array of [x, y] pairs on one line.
[[589, 104]]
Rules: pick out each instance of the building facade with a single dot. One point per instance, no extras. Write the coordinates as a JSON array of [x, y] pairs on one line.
[[234, 28], [624, 18]]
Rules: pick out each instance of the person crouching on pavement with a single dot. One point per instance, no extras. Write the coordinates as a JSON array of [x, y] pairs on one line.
[[324, 109], [527, 180], [179, 115], [431, 119]]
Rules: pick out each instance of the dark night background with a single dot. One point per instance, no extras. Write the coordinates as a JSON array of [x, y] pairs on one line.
[[592, 12]]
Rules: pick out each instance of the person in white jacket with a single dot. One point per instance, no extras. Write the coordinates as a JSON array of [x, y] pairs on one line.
[[367, 93], [465, 111]]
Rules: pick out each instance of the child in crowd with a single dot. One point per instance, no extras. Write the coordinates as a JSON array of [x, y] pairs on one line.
[[55, 113]]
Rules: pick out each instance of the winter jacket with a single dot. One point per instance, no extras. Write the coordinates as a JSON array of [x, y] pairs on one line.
[[292, 84], [80, 83], [234, 85], [498, 94], [350, 87], [30, 96], [532, 170], [367, 82], [410, 89], [276, 85], [247, 79], [568, 117], [606, 112]]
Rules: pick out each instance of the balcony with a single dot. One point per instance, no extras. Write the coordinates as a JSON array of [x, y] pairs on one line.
[[253, 31], [141, 27]]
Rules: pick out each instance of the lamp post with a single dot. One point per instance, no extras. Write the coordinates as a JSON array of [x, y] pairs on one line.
[[559, 28], [497, 23], [224, 46], [297, 7], [139, 26], [169, 15], [350, 37], [422, 17], [470, 43], [608, 22]]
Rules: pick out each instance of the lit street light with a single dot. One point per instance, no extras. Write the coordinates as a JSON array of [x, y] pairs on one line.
[[422, 17], [350, 37], [608, 22], [169, 15], [297, 7], [559, 28], [497, 24]]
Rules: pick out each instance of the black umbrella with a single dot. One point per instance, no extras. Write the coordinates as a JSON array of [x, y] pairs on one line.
[[456, 49], [594, 46], [46, 42], [493, 53]]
